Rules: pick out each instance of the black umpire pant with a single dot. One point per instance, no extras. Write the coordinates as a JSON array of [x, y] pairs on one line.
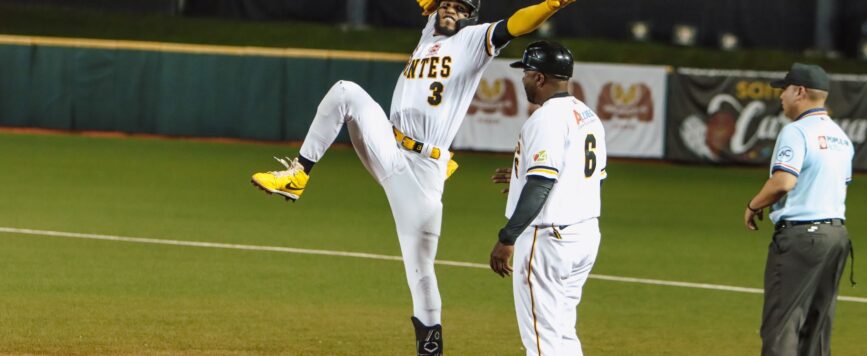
[[802, 277]]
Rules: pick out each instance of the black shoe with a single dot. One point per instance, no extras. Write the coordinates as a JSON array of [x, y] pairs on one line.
[[428, 339]]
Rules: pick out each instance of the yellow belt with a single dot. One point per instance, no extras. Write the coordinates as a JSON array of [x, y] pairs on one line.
[[413, 145]]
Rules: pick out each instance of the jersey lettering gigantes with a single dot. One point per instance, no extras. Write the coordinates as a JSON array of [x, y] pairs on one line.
[[437, 85]]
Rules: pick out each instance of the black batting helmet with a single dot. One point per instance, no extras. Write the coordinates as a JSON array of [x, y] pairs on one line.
[[473, 17], [547, 57]]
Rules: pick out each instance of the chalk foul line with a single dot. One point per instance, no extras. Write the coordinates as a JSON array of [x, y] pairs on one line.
[[374, 257]]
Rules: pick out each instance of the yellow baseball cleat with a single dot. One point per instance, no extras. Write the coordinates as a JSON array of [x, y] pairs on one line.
[[289, 183]]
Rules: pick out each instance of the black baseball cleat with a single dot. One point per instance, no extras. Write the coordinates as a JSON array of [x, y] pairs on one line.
[[428, 339]]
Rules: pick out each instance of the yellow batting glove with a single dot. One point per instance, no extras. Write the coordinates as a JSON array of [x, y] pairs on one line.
[[558, 4], [427, 6], [451, 168]]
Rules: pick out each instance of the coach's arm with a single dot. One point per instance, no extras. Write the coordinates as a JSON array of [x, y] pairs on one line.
[[530, 203]]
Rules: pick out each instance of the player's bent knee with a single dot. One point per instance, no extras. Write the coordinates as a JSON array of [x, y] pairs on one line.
[[356, 97], [349, 87]]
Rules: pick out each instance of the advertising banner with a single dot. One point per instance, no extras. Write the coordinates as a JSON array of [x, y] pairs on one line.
[[629, 99], [734, 117]]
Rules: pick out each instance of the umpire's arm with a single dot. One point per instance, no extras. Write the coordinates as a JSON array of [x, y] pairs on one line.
[[780, 183]]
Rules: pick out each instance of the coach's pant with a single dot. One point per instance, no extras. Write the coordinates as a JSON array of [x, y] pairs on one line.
[[413, 183], [549, 273], [802, 276]]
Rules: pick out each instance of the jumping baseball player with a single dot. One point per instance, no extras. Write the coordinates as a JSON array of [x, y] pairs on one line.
[[407, 151], [553, 205]]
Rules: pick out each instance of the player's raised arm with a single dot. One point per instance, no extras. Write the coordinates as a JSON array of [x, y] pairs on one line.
[[526, 20], [427, 6]]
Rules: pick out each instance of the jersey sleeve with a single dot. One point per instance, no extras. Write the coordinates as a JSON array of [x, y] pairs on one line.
[[545, 141], [479, 40], [429, 26], [790, 151]]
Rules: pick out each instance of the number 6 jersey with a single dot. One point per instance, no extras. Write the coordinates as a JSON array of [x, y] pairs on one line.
[[437, 85], [563, 140]]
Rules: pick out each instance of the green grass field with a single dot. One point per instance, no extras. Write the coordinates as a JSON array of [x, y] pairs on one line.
[[80, 296]]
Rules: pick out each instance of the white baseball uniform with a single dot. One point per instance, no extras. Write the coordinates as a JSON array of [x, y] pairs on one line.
[[563, 140], [429, 103]]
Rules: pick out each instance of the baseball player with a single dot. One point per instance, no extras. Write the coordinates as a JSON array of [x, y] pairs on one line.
[[407, 151], [810, 171], [553, 205]]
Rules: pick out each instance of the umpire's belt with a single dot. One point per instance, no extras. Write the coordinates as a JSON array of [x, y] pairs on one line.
[[789, 223], [410, 144]]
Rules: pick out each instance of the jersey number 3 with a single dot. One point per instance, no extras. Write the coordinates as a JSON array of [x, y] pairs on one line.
[[436, 93], [589, 155]]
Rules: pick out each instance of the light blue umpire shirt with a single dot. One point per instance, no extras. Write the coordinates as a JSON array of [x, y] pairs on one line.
[[817, 151]]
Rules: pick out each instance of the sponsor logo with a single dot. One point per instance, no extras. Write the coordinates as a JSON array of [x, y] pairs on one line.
[[540, 156], [617, 100], [834, 143], [743, 126], [785, 154], [756, 90], [292, 186], [493, 96], [430, 346], [732, 130]]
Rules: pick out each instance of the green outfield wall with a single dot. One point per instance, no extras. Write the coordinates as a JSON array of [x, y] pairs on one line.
[[206, 91], [272, 94]]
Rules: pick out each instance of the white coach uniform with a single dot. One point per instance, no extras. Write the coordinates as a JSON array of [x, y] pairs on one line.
[[429, 103], [563, 140]]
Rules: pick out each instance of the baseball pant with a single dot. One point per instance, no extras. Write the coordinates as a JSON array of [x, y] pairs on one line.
[[549, 273], [802, 277], [413, 183]]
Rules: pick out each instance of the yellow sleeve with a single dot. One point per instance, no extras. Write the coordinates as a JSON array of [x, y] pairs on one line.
[[528, 19], [427, 6]]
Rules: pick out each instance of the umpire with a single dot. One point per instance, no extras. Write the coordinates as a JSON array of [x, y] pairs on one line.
[[810, 170]]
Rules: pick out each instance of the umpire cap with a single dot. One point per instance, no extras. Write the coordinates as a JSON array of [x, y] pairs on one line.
[[806, 75], [550, 58]]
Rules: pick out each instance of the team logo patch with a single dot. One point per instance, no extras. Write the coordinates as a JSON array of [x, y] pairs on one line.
[[433, 50], [786, 154], [540, 156]]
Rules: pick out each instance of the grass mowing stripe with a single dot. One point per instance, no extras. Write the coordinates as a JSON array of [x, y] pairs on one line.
[[374, 256]]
